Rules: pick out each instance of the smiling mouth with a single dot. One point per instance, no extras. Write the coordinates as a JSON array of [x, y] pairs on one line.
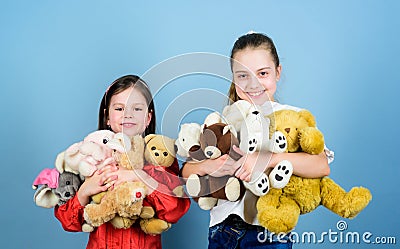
[[255, 94], [128, 124]]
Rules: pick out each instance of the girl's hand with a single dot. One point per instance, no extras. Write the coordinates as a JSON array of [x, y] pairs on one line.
[[129, 175], [100, 181], [250, 164], [222, 166]]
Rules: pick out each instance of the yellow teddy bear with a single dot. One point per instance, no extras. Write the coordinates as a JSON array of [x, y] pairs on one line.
[[279, 210]]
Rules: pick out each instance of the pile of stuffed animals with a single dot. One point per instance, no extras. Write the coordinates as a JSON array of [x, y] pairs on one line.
[[282, 196], [123, 205]]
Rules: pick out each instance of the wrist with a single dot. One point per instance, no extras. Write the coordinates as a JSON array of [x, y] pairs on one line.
[[82, 198]]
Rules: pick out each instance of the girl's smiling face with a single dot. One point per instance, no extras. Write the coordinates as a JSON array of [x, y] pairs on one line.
[[128, 112], [255, 75]]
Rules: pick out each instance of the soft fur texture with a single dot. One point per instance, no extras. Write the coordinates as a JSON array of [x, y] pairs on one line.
[[188, 136], [160, 153], [123, 205], [279, 210], [86, 156], [215, 140], [55, 188]]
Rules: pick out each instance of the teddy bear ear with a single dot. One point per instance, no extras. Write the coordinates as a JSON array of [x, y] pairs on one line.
[[149, 137], [202, 128], [230, 128], [307, 115]]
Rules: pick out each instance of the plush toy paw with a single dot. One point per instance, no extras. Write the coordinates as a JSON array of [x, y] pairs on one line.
[[147, 212], [193, 185], [122, 222], [178, 191], [278, 214], [280, 175], [86, 228], [206, 203], [232, 189], [357, 199], [278, 143], [311, 140], [259, 184], [154, 226]]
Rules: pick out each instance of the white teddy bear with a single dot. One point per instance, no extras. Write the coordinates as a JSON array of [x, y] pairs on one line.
[[189, 136], [253, 128]]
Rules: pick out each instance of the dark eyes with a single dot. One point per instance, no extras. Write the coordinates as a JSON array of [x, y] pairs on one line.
[[105, 140], [153, 148], [120, 109]]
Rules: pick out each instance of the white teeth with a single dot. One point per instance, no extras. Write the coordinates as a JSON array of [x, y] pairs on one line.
[[255, 93]]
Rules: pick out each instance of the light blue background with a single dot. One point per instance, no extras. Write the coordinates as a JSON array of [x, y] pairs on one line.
[[340, 60]]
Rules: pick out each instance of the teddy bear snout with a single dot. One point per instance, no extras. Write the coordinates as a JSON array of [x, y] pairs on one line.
[[287, 130], [175, 148]]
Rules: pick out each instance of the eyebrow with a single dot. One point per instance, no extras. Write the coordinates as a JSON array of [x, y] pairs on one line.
[[117, 103], [263, 68]]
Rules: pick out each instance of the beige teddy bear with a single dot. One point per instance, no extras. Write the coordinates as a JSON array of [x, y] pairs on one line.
[[124, 204]]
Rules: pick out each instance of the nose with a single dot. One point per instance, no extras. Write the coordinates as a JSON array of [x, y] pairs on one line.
[[287, 130], [128, 112], [253, 82]]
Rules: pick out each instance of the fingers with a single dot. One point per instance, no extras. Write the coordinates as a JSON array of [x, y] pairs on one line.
[[110, 167], [238, 150], [243, 172], [108, 186]]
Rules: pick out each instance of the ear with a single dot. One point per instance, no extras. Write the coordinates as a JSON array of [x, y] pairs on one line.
[[203, 127], [59, 163], [149, 137], [230, 128], [149, 116], [44, 197], [308, 117], [278, 72]]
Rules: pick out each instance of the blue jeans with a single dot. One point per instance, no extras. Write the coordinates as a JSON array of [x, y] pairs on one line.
[[240, 235]]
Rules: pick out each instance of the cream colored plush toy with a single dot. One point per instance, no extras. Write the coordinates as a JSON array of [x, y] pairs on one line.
[[124, 204], [279, 210], [86, 156]]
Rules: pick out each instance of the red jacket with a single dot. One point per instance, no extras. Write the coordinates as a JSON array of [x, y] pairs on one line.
[[167, 207]]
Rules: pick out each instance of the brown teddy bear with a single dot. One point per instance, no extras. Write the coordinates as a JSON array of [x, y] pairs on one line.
[[279, 210], [215, 140]]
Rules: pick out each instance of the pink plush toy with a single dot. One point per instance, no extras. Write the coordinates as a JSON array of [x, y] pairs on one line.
[[87, 156]]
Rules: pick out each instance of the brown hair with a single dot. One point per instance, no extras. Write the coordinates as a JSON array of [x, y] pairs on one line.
[[120, 85], [251, 40]]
